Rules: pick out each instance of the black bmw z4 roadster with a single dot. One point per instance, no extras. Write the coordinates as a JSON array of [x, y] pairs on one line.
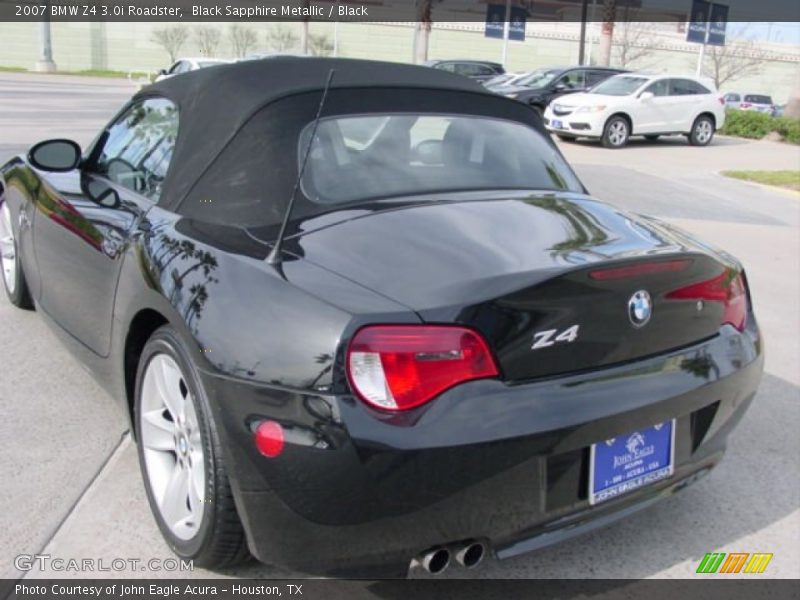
[[364, 316]]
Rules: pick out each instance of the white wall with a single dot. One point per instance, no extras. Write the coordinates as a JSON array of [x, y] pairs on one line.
[[129, 46]]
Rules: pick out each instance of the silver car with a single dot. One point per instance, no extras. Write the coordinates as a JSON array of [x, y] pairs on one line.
[[756, 102]]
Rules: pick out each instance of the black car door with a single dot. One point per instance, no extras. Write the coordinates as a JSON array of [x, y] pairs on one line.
[[82, 230], [569, 83]]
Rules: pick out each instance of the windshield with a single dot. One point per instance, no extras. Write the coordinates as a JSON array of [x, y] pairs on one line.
[[358, 158], [537, 79], [757, 99], [621, 85]]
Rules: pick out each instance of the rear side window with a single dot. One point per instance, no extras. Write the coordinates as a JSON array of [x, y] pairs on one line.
[[758, 99], [574, 80], [473, 69], [659, 88], [363, 158], [733, 98], [138, 147], [686, 87]]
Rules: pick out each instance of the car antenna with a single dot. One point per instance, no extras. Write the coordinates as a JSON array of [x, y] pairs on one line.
[[274, 257]]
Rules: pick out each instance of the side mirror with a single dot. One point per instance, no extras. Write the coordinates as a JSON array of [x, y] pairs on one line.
[[57, 156], [645, 96], [560, 87], [162, 71]]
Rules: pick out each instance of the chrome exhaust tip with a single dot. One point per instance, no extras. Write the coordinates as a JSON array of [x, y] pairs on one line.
[[435, 561], [470, 554]]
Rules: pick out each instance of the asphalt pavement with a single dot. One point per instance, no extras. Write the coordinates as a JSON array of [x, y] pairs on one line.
[[72, 486]]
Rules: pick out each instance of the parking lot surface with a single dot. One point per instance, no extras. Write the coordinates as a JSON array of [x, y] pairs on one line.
[[72, 487]]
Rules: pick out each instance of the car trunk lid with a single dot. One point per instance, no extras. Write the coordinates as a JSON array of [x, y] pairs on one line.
[[550, 280]]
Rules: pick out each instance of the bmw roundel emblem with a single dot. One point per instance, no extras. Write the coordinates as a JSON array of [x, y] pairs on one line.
[[640, 308]]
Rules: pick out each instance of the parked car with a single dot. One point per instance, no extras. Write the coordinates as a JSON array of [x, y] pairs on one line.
[[479, 70], [638, 104], [542, 86], [186, 65], [756, 102], [505, 79], [401, 333], [274, 54]]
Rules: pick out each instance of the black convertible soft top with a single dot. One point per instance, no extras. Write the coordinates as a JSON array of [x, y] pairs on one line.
[[215, 103], [226, 94]]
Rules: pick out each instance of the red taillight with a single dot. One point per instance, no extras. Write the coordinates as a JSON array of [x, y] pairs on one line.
[[635, 270], [721, 100], [744, 105], [269, 438], [728, 287], [397, 367]]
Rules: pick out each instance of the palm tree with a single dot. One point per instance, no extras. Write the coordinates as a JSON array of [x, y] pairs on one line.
[[422, 32], [607, 32]]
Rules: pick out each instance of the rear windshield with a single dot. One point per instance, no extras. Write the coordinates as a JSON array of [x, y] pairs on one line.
[[356, 158], [757, 99], [621, 85]]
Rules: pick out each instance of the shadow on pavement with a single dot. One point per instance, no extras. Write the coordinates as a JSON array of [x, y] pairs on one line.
[[665, 141]]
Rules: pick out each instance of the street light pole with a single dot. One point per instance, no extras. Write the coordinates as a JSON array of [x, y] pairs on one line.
[[582, 50], [506, 27], [702, 54], [45, 62]]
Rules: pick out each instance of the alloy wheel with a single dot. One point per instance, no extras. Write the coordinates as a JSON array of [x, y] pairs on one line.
[[8, 249], [617, 132], [703, 131], [172, 445]]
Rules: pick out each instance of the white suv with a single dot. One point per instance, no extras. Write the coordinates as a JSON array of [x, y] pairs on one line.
[[635, 104]]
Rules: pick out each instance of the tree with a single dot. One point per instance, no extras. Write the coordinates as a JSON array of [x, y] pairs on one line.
[[422, 32], [732, 61], [633, 42], [207, 40], [242, 39], [607, 31], [280, 38], [320, 44], [171, 39]]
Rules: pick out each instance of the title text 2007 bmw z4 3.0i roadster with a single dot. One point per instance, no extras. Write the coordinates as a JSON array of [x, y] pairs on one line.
[[364, 316]]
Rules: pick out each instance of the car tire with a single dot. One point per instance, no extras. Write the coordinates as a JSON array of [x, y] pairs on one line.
[[652, 138], [181, 458], [616, 132], [702, 131], [566, 138], [10, 264]]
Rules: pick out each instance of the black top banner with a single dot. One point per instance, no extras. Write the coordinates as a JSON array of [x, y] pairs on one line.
[[677, 11]]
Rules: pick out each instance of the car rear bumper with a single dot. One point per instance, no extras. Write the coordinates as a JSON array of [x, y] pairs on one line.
[[507, 465]]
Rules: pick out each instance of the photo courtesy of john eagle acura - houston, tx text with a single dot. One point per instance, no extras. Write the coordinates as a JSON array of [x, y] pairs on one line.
[[367, 318]]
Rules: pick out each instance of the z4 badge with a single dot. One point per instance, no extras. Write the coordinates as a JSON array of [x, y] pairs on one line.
[[551, 337]]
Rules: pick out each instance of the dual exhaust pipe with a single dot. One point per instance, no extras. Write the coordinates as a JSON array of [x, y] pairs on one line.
[[467, 554]]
